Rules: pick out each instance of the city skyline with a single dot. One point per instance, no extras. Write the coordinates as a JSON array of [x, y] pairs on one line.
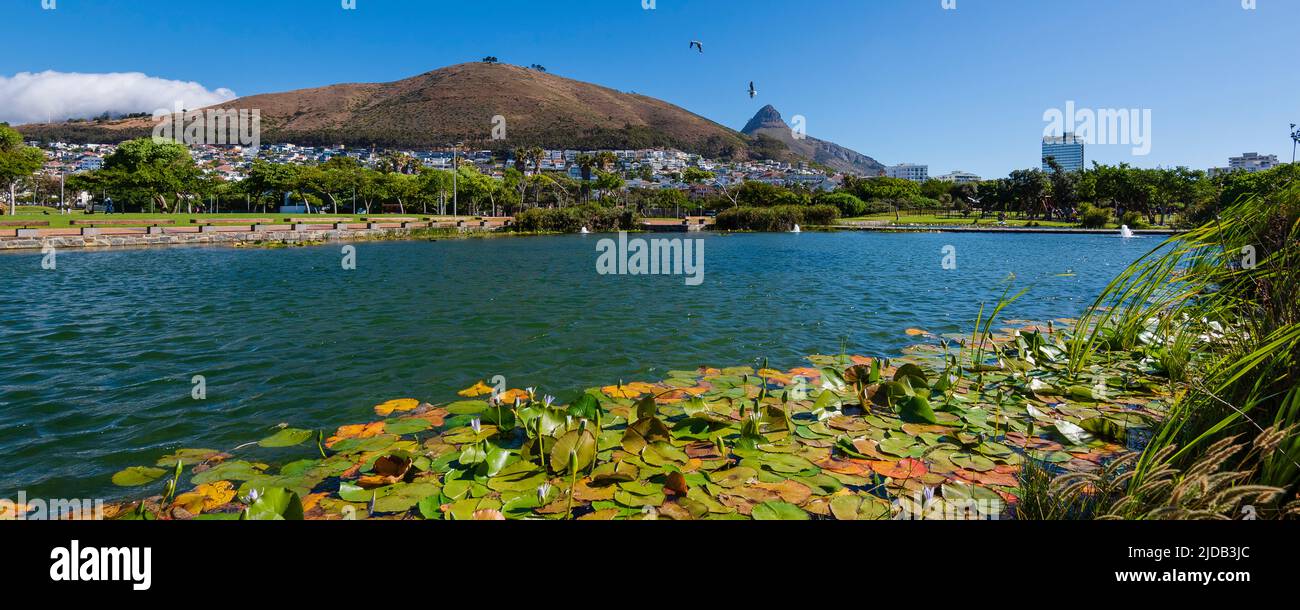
[[902, 82]]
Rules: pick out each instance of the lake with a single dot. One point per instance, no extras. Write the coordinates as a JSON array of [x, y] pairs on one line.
[[97, 356]]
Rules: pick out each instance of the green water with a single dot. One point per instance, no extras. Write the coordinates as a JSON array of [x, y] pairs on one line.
[[97, 355]]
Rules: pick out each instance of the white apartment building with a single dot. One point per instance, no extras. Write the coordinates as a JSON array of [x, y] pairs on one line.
[[960, 177], [909, 171], [1252, 162]]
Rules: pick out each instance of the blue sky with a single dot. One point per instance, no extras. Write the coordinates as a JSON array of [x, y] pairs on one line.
[[900, 80]]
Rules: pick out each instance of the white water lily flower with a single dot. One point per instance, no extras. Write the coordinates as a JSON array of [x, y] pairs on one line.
[[549, 400], [543, 491], [1073, 433], [476, 424]]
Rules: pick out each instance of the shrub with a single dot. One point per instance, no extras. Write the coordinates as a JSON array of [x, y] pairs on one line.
[[848, 204], [776, 218], [1133, 220], [1093, 217], [572, 219]]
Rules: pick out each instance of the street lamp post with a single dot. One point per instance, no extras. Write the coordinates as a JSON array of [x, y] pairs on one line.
[[455, 182], [1295, 139]]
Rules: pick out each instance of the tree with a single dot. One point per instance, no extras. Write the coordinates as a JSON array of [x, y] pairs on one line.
[[266, 178], [1029, 188], [893, 190], [17, 161], [161, 173], [585, 162], [848, 204], [1065, 192], [695, 175], [1123, 187], [433, 185], [607, 182], [536, 154], [606, 160], [398, 187], [510, 192]]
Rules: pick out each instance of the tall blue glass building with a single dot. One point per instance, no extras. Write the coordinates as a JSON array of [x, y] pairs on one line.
[[1066, 149]]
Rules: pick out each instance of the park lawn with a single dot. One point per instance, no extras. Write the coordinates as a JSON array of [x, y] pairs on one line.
[[63, 221], [940, 219]]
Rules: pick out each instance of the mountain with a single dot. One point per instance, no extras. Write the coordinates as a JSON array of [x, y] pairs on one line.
[[768, 122], [458, 104]]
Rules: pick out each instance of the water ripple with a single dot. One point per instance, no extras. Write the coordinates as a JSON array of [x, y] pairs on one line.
[[97, 357]]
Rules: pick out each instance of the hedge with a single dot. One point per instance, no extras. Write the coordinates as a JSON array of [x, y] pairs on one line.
[[595, 218], [776, 218]]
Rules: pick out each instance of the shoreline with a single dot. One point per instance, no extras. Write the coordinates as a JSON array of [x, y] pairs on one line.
[[289, 235], [312, 234], [973, 229]]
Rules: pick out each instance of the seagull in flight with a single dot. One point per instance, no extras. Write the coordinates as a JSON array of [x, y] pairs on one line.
[[752, 91], [695, 44]]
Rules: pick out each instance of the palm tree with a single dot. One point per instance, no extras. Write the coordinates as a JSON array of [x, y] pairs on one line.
[[606, 159], [585, 163], [536, 154]]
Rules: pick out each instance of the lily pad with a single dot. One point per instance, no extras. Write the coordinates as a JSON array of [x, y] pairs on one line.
[[287, 437], [136, 476], [779, 511]]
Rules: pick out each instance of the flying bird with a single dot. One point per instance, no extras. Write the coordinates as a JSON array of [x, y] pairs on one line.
[[695, 44], [752, 91]]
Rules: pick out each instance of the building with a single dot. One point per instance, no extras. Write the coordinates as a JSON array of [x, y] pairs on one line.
[[89, 163], [1066, 149], [909, 171], [960, 177], [1252, 162]]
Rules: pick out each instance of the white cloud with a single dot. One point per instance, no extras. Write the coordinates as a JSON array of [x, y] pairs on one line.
[[29, 97]]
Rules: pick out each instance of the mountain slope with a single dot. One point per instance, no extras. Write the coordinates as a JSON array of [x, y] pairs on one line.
[[457, 104], [768, 122]]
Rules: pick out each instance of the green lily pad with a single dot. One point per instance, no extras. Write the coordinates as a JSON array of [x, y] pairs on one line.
[[275, 504], [779, 511], [287, 437], [917, 410], [229, 471], [136, 476], [187, 457]]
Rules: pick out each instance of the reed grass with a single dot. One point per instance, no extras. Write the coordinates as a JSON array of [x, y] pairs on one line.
[[1219, 310]]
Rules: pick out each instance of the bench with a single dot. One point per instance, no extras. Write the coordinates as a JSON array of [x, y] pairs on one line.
[[395, 219], [23, 224], [319, 220], [233, 221], [121, 223]]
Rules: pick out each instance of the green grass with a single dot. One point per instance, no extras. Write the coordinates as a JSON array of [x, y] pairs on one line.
[[912, 218], [63, 221]]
